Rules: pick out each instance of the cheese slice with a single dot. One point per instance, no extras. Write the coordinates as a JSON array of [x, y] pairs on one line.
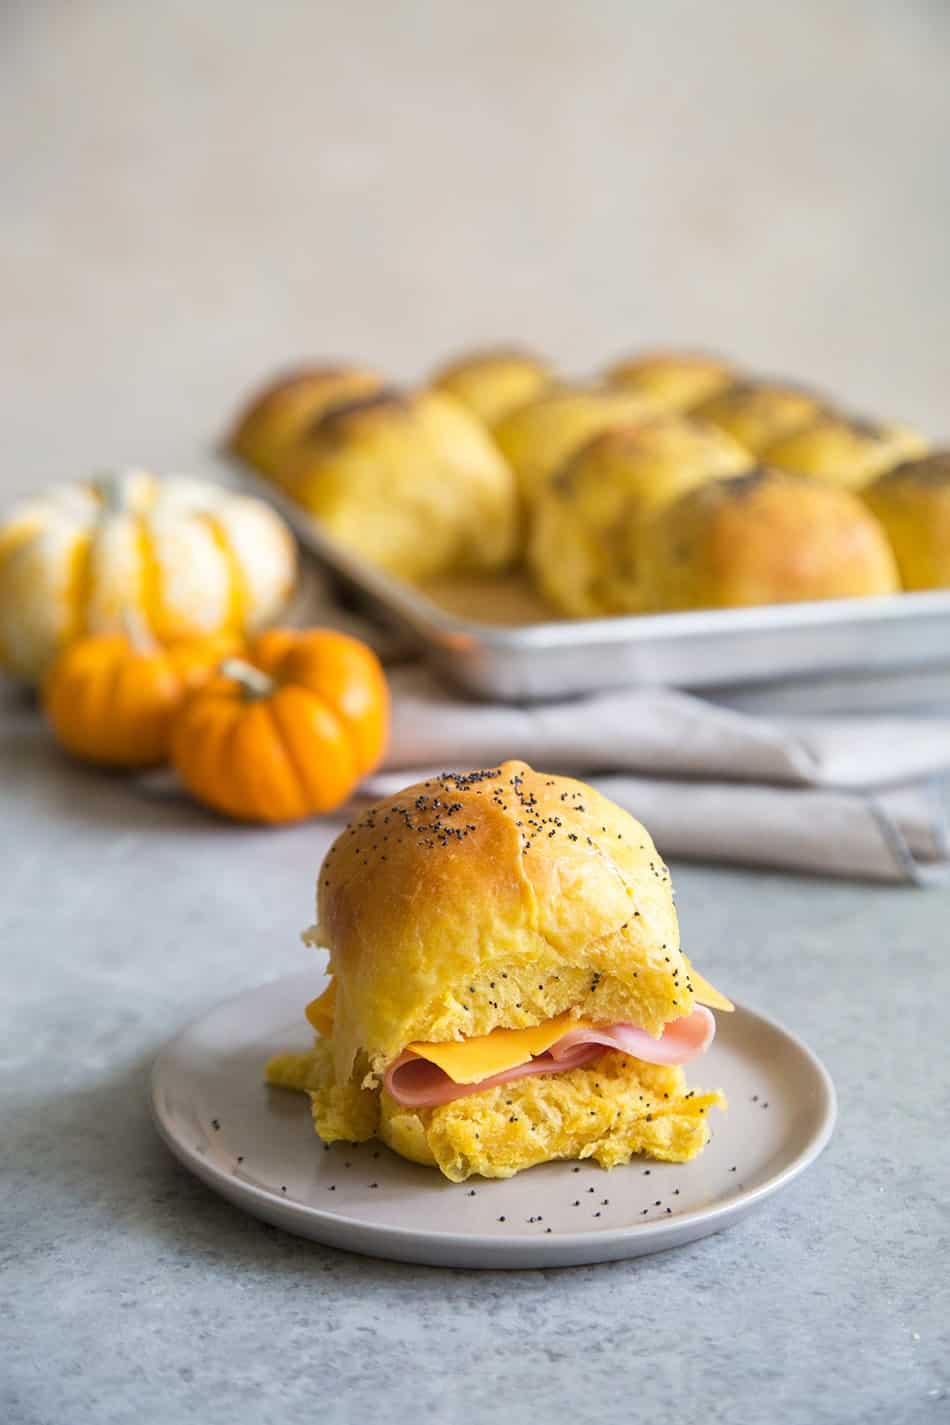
[[320, 1011], [468, 1061], [707, 994]]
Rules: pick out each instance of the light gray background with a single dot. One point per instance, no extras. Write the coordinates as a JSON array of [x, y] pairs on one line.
[[193, 193]]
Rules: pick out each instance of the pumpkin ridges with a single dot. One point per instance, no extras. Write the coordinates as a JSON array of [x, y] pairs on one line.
[[238, 592], [147, 711], [269, 649], [110, 701], [348, 676], [303, 720], [150, 578], [71, 559], [94, 694], [144, 712], [78, 582], [64, 700], [196, 747], [75, 698], [220, 764], [273, 791], [238, 763], [113, 580], [211, 750], [180, 549], [257, 744], [99, 694], [203, 715]]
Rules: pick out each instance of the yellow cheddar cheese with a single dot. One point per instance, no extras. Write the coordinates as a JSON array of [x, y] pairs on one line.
[[468, 1061], [707, 994], [320, 1010]]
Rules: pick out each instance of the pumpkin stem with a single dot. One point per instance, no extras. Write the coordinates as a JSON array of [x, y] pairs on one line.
[[137, 630], [253, 682], [111, 490]]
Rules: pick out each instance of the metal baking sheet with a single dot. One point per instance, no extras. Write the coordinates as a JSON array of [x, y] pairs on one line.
[[546, 657]]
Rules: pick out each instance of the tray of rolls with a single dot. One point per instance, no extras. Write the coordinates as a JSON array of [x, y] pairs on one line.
[[676, 521]]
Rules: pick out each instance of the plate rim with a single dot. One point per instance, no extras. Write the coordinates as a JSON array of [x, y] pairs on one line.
[[527, 1243]]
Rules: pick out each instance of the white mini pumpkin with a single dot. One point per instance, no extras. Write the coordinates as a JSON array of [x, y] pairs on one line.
[[187, 556]]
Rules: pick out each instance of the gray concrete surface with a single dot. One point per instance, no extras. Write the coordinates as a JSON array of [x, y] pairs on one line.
[[194, 192], [131, 1293]]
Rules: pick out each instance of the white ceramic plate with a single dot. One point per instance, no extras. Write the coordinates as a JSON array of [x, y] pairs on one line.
[[255, 1145]]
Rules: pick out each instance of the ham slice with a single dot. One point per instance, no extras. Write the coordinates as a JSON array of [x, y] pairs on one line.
[[417, 1083]]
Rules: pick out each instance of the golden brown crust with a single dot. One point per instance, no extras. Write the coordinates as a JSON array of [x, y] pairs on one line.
[[844, 452], [410, 481], [766, 537], [495, 898], [913, 504], [348, 420], [674, 380], [591, 519], [276, 417], [495, 381], [539, 437], [757, 413]]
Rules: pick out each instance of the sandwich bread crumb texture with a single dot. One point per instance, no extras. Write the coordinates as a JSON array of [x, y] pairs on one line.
[[495, 899], [608, 1111]]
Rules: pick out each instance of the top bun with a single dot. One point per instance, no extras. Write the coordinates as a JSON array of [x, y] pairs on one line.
[[270, 426], [489, 899], [758, 413], [592, 519], [766, 537], [492, 383], [409, 480], [674, 380], [538, 437], [845, 451], [913, 504]]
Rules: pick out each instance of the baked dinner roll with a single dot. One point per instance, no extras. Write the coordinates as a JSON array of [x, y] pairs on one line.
[[410, 481], [756, 413], [492, 383], [913, 504], [767, 537], [271, 423], [673, 380], [537, 438], [844, 451], [507, 982], [590, 519]]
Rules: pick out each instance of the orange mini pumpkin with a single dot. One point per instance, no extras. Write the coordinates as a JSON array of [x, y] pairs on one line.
[[111, 698], [286, 732]]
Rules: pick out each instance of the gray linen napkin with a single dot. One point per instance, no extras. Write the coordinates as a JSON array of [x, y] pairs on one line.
[[772, 777], [839, 796]]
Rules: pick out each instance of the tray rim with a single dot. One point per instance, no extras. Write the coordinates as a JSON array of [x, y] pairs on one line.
[[430, 621]]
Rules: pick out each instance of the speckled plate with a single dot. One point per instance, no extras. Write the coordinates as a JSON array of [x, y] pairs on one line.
[[255, 1145]]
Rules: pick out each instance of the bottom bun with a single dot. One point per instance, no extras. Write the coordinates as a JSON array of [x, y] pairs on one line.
[[607, 1111]]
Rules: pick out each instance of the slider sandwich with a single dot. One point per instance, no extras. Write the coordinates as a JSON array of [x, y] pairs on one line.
[[507, 985]]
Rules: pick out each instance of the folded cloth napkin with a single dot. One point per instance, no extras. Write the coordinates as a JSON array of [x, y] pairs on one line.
[[753, 777], [838, 796]]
